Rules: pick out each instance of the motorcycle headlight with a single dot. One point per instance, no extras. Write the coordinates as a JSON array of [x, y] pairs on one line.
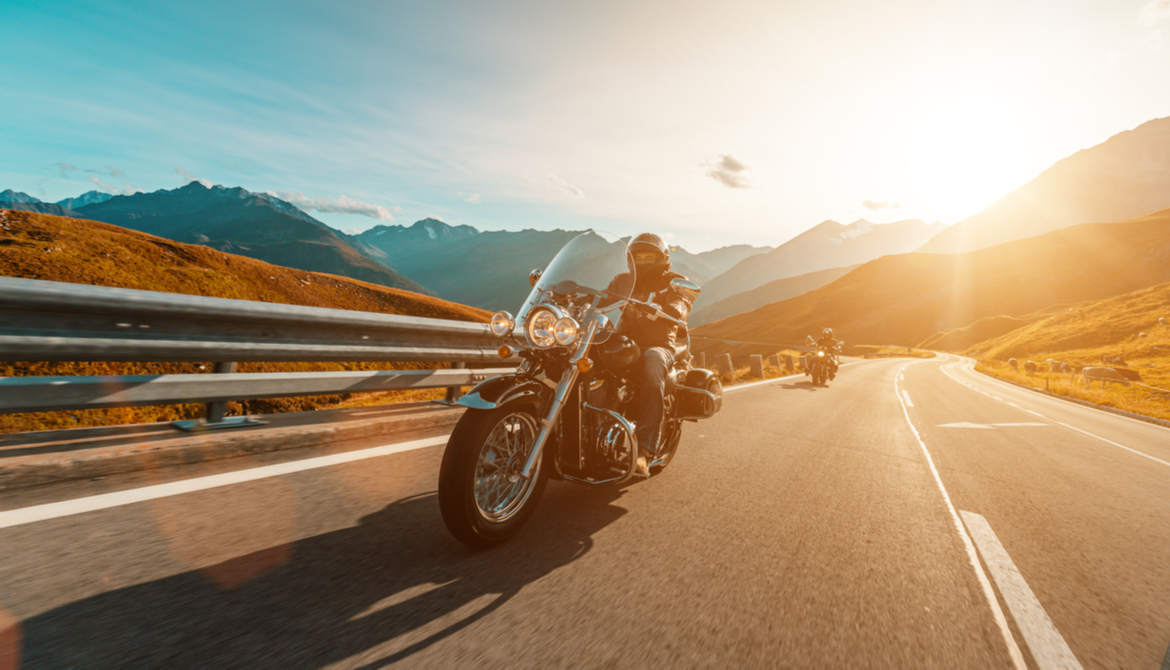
[[540, 328], [565, 331], [820, 353], [502, 324]]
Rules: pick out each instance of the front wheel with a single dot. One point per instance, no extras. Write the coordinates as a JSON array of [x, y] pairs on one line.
[[482, 497]]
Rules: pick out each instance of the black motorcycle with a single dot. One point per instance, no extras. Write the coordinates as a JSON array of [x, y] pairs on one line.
[[821, 363], [563, 413]]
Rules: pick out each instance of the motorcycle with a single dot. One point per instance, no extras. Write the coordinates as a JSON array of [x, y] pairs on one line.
[[821, 363], [563, 413]]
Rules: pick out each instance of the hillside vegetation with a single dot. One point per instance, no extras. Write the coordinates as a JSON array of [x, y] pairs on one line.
[[39, 246], [1082, 335], [906, 299]]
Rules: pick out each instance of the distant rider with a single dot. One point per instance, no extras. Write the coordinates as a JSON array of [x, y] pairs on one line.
[[833, 347], [656, 337]]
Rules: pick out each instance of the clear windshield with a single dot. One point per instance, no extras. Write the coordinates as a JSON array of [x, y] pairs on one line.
[[592, 260]]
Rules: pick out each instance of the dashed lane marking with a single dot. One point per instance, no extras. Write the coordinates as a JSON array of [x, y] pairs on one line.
[[1012, 648], [906, 396], [57, 510], [1044, 641]]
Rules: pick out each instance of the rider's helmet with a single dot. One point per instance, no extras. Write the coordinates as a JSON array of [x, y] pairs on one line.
[[828, 332], [650, 253]]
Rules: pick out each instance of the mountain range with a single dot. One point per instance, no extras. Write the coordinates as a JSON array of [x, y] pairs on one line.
[[1126, 176], [825, 246], [905, 299], [237, 221], [490, 269]]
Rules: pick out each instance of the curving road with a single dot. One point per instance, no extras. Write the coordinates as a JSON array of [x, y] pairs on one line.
[[912, 514]]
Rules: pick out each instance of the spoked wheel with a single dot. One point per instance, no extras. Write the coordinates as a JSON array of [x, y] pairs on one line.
[[671, 434], [483, 498]]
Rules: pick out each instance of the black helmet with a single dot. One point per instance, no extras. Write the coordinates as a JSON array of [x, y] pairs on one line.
[[647, 243], [828, 332]]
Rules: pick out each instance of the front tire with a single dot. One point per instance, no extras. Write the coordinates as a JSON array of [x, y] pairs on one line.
[[481, 497]]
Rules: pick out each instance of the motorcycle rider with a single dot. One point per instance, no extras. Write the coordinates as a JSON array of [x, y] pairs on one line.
[[655, 336], [833, 347]]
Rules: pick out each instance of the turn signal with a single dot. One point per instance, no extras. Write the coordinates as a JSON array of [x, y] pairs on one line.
[[505, 351], [585, 365]]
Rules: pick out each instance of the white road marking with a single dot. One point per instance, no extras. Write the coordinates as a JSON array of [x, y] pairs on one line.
[[906, 395], [1044, 641], [1045, 425], [1013, 649], [964, 424], [1107, 441], [1119, 446], [56, 510]]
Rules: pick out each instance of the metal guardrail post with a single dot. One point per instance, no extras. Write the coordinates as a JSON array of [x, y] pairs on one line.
[[455, 392], [215, 410]]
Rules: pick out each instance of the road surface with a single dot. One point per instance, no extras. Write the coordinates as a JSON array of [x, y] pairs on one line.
[[912, 514]]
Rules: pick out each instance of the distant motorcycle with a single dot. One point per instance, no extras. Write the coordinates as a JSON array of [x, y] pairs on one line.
[[820, 363], [563, 413]]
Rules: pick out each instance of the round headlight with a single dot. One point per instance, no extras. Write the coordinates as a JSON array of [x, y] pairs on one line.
[[820, 353], [565, 331], [540, 328], [502, 324]]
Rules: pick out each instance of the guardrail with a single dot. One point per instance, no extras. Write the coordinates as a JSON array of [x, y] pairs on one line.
[[56, 321]]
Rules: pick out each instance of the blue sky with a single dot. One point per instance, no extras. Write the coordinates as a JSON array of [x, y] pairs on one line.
[[714, 123]]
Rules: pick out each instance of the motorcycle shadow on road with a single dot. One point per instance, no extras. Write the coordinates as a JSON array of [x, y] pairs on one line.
[[368, 596], [801, 386]]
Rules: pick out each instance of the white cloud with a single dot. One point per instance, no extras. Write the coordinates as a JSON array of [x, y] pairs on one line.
[[188, 178], [474, 197], [127, 189], [1155, 11], [340, 205], [729, 171], [880, 204], [565, 186]]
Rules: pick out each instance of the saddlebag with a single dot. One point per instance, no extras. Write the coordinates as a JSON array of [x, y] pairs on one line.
[[699, 395]]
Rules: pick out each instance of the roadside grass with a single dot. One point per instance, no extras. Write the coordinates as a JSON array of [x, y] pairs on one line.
[[1081, 335], [1136, 399]]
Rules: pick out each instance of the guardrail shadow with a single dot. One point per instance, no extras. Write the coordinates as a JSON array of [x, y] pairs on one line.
[[373, 594], [801, 386]]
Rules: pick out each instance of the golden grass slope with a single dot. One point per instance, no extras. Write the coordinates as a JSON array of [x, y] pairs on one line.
[[40, 246], [905, 299], [1082, 335]]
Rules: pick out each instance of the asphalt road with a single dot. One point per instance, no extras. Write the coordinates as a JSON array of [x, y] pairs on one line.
[[911, 514]]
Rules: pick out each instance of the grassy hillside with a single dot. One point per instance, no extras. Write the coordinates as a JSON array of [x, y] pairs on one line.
[[1080, 336], [39, 246], [905, 299]]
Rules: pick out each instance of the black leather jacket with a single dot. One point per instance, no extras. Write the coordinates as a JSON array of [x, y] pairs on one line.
[[657, 333]]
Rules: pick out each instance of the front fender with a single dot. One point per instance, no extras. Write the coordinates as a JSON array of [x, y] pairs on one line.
[[499, 391]]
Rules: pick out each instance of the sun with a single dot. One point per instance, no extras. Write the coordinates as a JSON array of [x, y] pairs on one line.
[[964, 156]]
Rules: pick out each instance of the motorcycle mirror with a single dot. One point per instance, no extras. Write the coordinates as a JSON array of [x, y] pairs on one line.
[[566, 287], [534, 276], [686, 288], [604, 328]]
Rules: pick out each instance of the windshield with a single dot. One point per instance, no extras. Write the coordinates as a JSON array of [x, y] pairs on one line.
[[591, 260]]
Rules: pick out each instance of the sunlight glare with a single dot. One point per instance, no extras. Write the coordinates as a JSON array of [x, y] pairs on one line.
[[965, 156]]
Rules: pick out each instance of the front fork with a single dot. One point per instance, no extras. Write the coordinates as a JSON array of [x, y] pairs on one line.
[[568, 379]]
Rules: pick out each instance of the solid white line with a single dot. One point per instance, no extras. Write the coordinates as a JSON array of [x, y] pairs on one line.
[[970, 367], [906, 395], [56, 510], [1119, 446], [739, 387], [1013, 649], [1044, 641]]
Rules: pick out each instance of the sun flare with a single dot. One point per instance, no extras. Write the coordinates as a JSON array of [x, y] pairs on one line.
[[965, 155]]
